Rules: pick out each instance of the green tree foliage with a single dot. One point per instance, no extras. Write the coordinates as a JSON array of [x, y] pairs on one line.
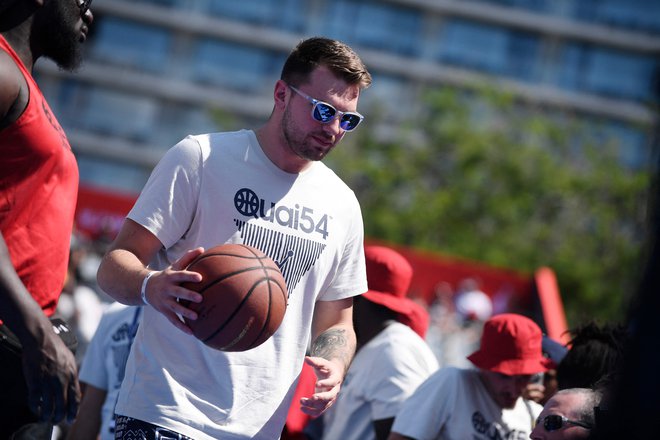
[[484, 177]]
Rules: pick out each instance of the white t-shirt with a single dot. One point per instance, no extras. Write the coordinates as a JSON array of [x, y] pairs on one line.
[[383, 374], [221, 188], [454, 404], [105, 359]]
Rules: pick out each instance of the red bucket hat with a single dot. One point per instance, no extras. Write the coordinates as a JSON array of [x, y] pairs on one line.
[[511, 344], [388, 276]]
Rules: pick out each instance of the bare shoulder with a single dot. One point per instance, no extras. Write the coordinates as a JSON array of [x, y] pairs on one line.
[[12, 81]]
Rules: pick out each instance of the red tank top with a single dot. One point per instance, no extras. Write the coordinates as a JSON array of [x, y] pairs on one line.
[[38, 190]]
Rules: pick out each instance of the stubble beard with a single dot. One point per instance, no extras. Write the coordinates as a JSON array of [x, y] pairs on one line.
[[61, 35], [296, 142]]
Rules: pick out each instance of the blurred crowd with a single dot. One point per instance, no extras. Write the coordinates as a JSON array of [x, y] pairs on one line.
[[82, 302], [451, 327]]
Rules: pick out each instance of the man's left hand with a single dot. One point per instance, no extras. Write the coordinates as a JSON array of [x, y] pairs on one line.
[[329, 376]]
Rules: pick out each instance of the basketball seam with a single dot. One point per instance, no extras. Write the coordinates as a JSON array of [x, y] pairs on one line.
[[233, 314], [228, 254], [270, 305], [229, 275], [268, 269], [267, 321]]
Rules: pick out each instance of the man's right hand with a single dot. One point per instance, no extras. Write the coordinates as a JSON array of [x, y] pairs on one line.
[[164, 290], [52, 378], [123, 270]]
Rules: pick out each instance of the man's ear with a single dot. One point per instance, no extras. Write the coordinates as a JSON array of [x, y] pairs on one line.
[[280, 93]]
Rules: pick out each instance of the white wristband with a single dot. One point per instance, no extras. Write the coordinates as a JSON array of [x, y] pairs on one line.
[[143, 290]]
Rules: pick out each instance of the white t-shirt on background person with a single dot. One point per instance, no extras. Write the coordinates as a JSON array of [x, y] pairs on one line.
[[454, 404]]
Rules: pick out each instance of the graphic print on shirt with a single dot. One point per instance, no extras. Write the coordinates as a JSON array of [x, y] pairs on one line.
[[56, 125], [493, 430], [294, 256], [298, 218], [121, 347]]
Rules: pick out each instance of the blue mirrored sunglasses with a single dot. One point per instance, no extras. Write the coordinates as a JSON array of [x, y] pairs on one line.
[[554, 422], [325, 113]]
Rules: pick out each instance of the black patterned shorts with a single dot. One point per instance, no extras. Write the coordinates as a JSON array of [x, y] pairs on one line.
[[128, 428]]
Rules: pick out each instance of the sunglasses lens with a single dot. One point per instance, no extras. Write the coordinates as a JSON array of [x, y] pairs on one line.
[[349, 121], [552, 423], [324, 112], [84, 6]]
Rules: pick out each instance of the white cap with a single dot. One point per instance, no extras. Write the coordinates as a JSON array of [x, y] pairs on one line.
[[474, 305]]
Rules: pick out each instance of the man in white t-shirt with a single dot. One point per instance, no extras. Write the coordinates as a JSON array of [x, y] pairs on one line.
[[392, 357], [268, 189], [486, 403]]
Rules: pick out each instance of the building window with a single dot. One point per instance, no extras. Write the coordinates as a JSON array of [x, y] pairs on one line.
[[233, 65], [284, 14], [491, 49], [608, 72], [533, 5], [119, 114], [631, 14], [133, 44], [375, 25], [166, 3]]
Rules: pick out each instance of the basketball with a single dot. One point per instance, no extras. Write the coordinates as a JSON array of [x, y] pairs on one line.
[[245, 297]]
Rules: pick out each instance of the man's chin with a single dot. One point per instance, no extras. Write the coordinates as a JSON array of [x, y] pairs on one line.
[[69, 64], [67, 57], [508, 403]]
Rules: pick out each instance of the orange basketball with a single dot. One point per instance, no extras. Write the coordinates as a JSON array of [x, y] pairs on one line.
[[245, 297]]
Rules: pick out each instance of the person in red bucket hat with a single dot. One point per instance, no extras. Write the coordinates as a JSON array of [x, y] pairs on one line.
[[511, 344], [392, 357], [482, 403], [388, 276]]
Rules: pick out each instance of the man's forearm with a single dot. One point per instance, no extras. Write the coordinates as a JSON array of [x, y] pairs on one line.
[[335, 343], [120, 275], [18, 310]]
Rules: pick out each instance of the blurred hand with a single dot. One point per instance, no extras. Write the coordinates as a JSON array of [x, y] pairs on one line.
[[52, 378], [329, 377]]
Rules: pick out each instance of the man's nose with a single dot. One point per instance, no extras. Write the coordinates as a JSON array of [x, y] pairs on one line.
[[333, 128]]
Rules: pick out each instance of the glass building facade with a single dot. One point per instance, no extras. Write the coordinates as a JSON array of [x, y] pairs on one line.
[[157, 70]]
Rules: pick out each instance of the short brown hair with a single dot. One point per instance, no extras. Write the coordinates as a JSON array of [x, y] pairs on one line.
[[335, 55]]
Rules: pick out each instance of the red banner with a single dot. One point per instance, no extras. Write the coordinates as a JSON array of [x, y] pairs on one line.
[[100, 213]]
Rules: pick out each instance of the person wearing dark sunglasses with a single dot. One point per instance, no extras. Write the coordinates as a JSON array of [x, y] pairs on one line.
[[269, 189], [38, 191], [567, 415], [484, 402]]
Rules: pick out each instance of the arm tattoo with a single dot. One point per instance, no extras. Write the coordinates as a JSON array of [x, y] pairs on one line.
[[333, 344]]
